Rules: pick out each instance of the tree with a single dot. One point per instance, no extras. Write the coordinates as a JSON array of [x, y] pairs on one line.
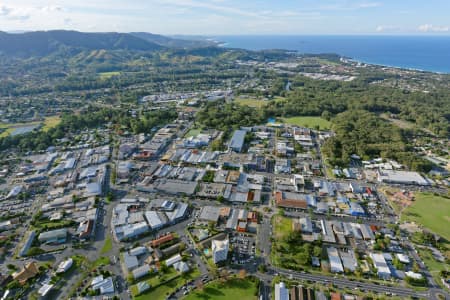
[[199, 284], [242, 274]]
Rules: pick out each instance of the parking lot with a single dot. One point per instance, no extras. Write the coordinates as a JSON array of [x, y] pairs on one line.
[[244, 247]]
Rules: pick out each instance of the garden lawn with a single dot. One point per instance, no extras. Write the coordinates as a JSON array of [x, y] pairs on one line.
[[430, 211], [237, 289], [310, 122]]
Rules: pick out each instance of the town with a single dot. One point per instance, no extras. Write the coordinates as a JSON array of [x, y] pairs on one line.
[[257, 184]]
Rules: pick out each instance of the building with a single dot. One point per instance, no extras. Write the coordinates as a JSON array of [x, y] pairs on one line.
[[26, 246], [237, 141], [380, 264], [29, 271], [153, 220], [181, 267], [141, 271], [281, 292], [173, 260], [291, 200], [103, 285], [57, 236], [130, 261], [219, 250], [164, 239], [335, 260], [64, 266], [402, 177], [45, 290]]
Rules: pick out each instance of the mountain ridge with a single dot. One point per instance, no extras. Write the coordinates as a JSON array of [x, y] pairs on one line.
[[42, 43]]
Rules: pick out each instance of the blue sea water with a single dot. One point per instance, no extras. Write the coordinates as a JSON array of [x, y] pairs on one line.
[[428, 53]]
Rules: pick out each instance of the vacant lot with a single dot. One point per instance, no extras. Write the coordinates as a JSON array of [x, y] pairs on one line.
[[252, 102], [237, 289], [51, 122], [430, 211], [310, 122], [107, 75], [165, 285], [281, 226]]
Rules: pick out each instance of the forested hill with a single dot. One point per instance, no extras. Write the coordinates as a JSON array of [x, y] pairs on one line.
[[173, 42], [42, 43]]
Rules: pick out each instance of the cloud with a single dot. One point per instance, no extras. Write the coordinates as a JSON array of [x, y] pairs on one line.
[[369, 4], [15, 13], [387, 28], [4, 11], [51, 8], [433, 28]]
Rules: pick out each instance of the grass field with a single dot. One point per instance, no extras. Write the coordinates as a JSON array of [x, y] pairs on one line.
[[252, 102], [430, 211], [281, 226], [51, 122], [237, 289], [256, 103], [102, 261], [310, 122], [193, 132], [107, 246], [161, 287], [434, 266], [106, 75], [48, 123]]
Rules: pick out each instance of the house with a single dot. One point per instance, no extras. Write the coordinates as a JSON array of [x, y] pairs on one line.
[[219, 250]]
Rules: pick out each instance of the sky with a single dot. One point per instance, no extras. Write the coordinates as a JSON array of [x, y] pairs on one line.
[[231, 17]]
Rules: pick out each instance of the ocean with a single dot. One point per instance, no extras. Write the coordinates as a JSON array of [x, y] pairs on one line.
[[427, 53]]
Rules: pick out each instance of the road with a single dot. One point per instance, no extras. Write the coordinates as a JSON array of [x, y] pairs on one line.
[[345, 283]]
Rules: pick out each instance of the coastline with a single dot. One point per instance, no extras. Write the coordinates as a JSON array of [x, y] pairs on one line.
[[424, 61]]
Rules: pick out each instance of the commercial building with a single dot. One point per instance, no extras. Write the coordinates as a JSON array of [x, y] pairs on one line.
[[154, 220], [141, 271], [281, 292], [130, 261], [57, 236], [379, 262], [64, 266], [237, 141], [335, 260], [219, 250], [402, 177]]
